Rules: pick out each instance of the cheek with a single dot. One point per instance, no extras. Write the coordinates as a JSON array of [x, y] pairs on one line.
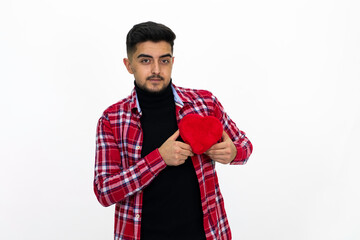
[[168, 70], [138, 71]]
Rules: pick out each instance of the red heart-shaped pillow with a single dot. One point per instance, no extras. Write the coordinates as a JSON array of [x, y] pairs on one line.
[[200, 132]]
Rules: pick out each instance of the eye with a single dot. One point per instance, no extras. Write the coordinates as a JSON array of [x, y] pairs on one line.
[[165, 61], [145, 60]]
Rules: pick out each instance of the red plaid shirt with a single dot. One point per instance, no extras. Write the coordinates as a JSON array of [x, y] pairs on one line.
[[121, 173]]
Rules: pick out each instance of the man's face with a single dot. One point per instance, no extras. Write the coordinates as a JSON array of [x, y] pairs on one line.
[[151, 65]]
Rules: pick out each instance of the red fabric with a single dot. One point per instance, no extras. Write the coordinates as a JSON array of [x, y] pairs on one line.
[[200, 132]]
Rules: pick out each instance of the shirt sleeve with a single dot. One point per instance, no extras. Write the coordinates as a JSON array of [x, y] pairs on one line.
[[113, 182], [242, 143]]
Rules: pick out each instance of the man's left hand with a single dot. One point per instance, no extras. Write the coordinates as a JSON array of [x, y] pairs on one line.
[[223, 152]]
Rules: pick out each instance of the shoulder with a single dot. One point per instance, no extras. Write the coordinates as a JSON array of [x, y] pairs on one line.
[[199, 100], [119, 108], [190, 94], [202, 101]]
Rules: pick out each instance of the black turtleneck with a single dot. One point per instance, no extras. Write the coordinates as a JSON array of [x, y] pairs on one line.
[[171, 202]]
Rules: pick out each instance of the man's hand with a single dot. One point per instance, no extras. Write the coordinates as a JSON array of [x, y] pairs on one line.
[[223, 152], [173, 152]]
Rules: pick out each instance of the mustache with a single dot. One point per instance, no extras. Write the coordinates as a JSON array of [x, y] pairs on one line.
[[155, 76]]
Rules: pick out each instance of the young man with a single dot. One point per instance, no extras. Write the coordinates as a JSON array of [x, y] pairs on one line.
[[162, 190]]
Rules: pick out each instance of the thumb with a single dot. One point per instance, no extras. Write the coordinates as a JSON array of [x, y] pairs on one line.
[[174, 136], [224, 136]]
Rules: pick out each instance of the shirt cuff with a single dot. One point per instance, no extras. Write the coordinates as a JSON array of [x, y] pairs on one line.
[[155, 162], [239, 158]]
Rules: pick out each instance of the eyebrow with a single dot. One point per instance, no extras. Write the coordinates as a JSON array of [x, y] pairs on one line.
[[148, 56]]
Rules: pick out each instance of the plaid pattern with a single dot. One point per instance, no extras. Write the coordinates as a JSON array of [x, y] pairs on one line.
[[121, 173]]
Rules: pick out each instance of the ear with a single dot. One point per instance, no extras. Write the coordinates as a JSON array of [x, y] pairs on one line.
[[128, 65]]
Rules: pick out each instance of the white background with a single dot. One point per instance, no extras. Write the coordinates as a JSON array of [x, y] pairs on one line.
[[287, 73]]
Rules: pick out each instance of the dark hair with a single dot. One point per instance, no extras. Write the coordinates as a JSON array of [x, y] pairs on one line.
[[148, 31]]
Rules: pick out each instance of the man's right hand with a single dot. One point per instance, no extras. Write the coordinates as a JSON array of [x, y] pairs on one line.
[[174, 153]]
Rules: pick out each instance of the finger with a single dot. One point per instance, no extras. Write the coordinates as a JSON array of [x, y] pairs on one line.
[[174, 136], [183, 149], [224, 136], [181, 162], [217, 146], [180, 157], [220, 158], [187, 153], [184, 146], [219, 152]]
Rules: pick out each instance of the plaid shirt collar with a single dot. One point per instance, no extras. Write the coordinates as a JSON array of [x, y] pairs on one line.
[[179, 98]]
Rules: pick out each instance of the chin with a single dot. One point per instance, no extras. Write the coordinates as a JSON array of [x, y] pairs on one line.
[[156, 88]]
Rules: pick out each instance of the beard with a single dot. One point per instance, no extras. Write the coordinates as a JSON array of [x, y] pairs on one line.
[[154, 91]]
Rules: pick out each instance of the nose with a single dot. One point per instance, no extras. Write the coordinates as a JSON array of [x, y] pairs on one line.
[[155, 68]]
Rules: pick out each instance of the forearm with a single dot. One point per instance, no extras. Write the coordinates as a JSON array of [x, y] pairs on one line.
[[117, 176], [242, 143], [243, 148], [112, 188]]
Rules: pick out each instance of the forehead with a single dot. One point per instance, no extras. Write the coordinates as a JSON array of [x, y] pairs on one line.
[[154, 49]]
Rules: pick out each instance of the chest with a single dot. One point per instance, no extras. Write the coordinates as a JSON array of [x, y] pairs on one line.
[[129, 132]]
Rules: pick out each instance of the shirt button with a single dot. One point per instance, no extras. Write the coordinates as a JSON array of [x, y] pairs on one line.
[[137, 216], [138, 147]]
